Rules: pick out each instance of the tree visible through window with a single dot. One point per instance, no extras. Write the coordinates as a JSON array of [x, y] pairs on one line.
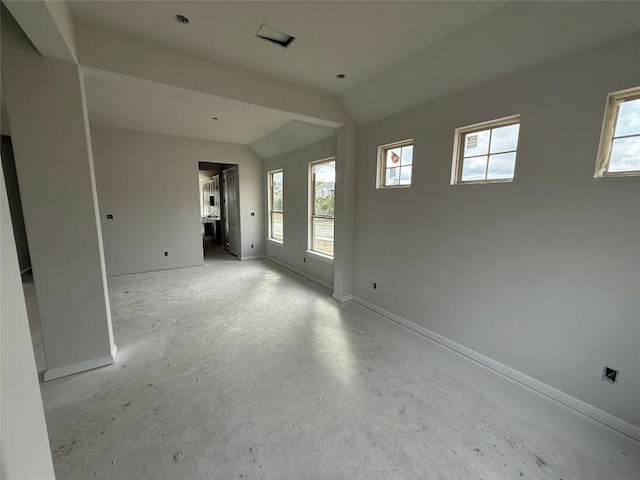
[[486, 152], [619, 152], [323, 194], [276, 205]]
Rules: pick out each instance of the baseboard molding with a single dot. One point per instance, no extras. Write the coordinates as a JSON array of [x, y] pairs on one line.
[[253, 257], [59, 372], [301, 273], [156, 269], [342, 299], [25, 271], [548, 391]]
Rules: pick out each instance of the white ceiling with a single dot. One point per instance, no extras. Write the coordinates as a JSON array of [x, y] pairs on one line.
[[356, 38], [151, 107], [396, 55]]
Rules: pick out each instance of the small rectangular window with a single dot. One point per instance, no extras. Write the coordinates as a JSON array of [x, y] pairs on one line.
[[619, 152], [322, 187], [395, 164], [486, 152], [276, 205]]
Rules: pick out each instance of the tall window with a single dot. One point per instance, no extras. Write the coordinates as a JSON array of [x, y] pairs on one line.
[[276, 204], [486, 152], [619, 152], [323, 194], [395, 162]]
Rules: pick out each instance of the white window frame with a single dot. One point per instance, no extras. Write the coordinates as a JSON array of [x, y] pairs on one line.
[[458, 146], [315, 253], [270, 207], [382, 169], [614, 100]]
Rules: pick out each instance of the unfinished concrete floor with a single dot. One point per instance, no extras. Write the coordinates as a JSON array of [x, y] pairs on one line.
[[244, 370]]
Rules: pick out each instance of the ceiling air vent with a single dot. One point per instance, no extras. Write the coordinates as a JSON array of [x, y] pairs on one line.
[[265, 32]]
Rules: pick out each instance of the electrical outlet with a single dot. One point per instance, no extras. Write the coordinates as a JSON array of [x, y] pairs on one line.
[[374, 285], [304, 259], [252, 245], [610, 375], [166, 254], [109, 216]]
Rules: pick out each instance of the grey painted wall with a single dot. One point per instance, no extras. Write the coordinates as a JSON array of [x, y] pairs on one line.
[[295, 166], [15, 204], [150, 184], [542, 274], [25, 449], [54, 163]]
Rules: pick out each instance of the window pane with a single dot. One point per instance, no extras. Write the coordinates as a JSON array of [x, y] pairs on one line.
[[393, 157], [505, 139], [625, 155], [407, 155], [277, 191], [628, 122], [405, 175], [277, 226], [476, 143], [392, 176], [501, 166], [323, 235], [324, 187], [474, 168]]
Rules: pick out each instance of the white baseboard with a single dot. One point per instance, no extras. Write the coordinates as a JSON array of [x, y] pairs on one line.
[[342, 299], [253, 257], [53, 373], [565, 399], [301, 273], [156, 269]]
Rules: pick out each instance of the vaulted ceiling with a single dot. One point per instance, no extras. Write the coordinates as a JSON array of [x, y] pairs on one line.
[[394, 55]]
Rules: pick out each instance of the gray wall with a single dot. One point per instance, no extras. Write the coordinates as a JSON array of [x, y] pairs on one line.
[[150, 184], [295, 166], [25, 449], [542, 274], [15, 204]]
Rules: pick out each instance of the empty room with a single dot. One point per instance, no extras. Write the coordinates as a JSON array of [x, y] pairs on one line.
[[320, 240]]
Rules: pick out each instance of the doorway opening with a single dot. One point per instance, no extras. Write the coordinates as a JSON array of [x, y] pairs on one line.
[[220, 226]]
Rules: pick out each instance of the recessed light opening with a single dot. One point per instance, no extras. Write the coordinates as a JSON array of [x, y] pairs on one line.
[[181, 18], [270, 34]]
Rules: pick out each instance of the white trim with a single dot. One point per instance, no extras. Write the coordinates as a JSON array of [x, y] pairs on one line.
[[342, 299], [252, 257], [53, 373], [319, 256], [275, 243], [301, 273], [548, 391], [157, 269], [25, 271]]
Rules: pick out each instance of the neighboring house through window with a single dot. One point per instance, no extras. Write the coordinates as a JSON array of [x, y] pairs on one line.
[[322, 188]]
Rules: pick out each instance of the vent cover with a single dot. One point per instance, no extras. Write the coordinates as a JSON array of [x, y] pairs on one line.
[[272, 35]]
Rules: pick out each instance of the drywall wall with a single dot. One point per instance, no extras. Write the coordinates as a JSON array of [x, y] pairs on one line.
[[292, 252], [150, 184], [54, 166], [24, 444], [542, 274], [15, 204]]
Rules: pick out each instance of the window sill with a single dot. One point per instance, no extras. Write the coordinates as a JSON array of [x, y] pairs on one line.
[[276, 243], [319, 256]]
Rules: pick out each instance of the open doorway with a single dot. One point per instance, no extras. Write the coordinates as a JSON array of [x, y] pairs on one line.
[[219, 209]]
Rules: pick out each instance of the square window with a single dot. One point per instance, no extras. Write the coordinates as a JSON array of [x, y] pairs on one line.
[[619, 152], [395, 164], [275, 179], [486, 152]]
